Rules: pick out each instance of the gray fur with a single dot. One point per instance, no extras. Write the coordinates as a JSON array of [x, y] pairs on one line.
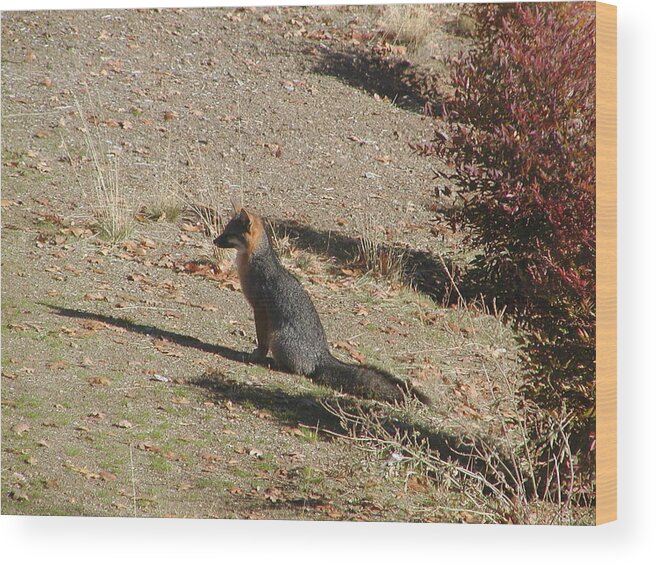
[[296, 337]]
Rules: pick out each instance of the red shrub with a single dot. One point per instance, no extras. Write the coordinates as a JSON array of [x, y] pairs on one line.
[[520, 135]]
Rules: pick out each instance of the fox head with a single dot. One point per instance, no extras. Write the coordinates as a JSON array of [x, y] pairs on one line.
[[243, 233]]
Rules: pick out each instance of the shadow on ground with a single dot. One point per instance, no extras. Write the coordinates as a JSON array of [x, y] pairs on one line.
[[152, 331], [307, 409], [424, 272], [393, 78]]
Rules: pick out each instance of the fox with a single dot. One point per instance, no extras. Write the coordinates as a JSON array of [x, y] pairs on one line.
[[287, 323]]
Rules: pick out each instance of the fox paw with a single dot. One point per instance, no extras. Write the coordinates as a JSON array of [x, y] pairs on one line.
[[257, 356]]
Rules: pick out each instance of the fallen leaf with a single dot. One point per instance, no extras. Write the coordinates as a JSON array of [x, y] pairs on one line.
[[86, 362], [274, 495], [94, 325], [83, 471], [417, 485], [147, 446], [94, 296], [124, 424], [21, 428], [166, 348], [99, 381]]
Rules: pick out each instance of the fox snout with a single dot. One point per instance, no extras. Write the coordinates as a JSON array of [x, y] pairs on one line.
[[222, 241]]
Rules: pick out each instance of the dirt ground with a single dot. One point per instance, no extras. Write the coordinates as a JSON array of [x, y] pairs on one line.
[[125, 390]]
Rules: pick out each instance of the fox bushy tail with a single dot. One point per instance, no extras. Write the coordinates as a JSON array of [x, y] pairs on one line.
[[364, 381]]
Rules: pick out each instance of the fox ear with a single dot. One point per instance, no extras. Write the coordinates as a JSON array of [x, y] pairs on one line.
[[244, 216]]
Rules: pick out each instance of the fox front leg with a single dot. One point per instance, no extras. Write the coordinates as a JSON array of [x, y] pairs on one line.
[[263, 334]]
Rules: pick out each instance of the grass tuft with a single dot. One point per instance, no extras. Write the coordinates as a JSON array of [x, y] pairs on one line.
[[111, 203], [375, 255], [407, 25]]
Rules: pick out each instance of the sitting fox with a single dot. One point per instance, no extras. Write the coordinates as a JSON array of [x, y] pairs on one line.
[[287, 323]]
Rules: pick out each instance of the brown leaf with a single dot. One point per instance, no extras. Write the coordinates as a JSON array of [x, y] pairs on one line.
[[87, 473], [124, 424], [94, 296], [191, 227], [274, 495], [99, 381], [166, 348], [107, 476], [417, 485], [147, 446], [114, 65], [86, 362], [21, 428], [352, 351]]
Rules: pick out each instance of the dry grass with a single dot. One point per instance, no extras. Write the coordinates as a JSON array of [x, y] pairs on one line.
[[111, 202], [375, 255], [408, 25], [283, 244], [203, 197], [493, 472], [165, 202]]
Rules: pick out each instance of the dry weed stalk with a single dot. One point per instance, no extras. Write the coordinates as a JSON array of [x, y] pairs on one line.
[[204, 199], [165, 202], [378, 257], [111, 202], [500, 478], [407, 25]]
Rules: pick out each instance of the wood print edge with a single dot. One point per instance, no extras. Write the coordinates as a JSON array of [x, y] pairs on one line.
[[606, 339]]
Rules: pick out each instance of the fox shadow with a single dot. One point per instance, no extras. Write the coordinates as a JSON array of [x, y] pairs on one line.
[[289, 408], [153, 331], [313, 411]]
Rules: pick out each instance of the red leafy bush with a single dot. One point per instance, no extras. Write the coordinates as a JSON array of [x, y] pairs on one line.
[[519, 133]]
